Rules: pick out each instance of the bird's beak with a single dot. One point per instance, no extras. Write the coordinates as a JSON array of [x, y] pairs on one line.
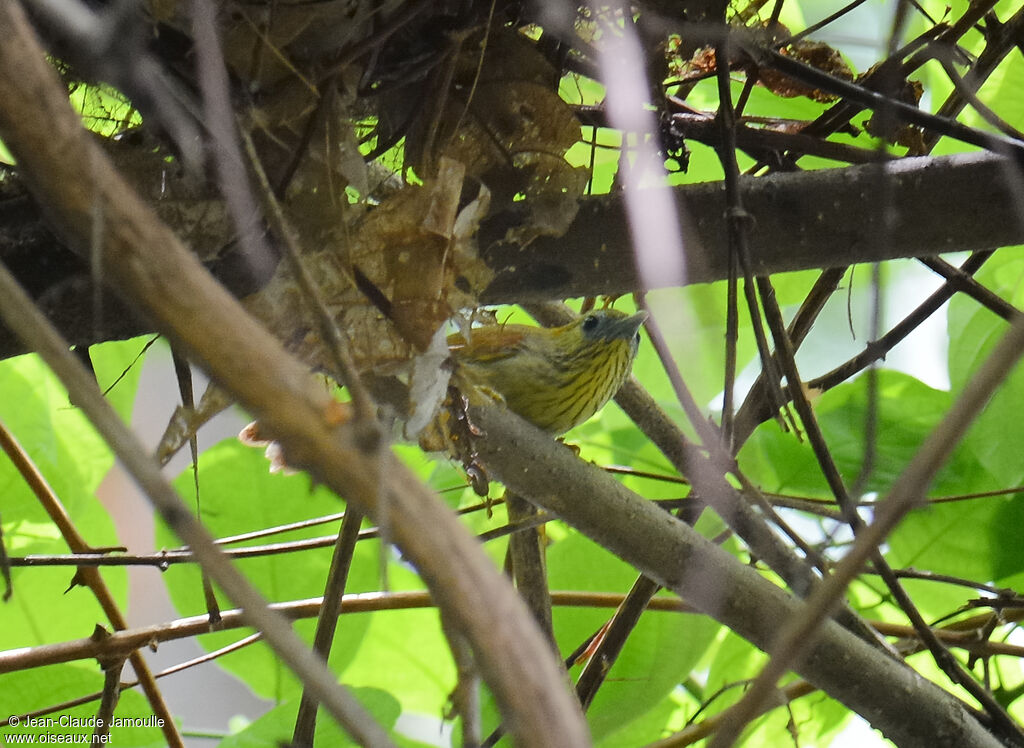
[[625, 328]]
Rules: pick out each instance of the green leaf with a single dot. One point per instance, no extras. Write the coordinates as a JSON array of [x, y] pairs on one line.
[[814, 719], [118, 367], [973, 333], [660, 652], [275, 728], [405, 652], [734, 662], [1003, 92], [73, 459], [653, 726], [59, 438], [964, 538], [908, 411], [975, 539]]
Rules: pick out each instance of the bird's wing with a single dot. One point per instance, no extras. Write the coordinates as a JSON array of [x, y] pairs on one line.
[[489, 343]]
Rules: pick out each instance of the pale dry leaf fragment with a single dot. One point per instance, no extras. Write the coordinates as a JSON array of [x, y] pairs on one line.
[[444, 198], [185, 422], [428, 385], [468, 221], [251, 436], [506, 122]]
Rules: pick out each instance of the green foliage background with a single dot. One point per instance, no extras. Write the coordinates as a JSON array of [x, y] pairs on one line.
[[398, 661]]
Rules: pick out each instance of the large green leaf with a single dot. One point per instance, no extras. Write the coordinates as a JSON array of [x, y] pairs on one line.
[[659, 722], [977, 539], [660, 652], [73, 459], [58, 437], [275, 727], [973, 333], [908, 411], [964, 538], [406, 653]]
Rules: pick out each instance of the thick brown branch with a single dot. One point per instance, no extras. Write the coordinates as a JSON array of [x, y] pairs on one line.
[[803, 220], [716, 583], [144, 260]]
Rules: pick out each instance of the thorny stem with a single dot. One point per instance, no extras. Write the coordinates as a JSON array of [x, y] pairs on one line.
[[90, 577]]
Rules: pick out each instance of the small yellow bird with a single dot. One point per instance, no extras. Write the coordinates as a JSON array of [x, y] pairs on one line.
[[556, 378]]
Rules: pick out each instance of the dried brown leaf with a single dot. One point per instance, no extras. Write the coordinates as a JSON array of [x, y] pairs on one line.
[[506, 123], [816, 54], [419, 277]]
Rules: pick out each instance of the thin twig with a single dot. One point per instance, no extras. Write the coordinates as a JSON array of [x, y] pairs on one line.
[[963, 282], [737, 224], [908, 489], [958, 633], [335, 341], [21, 315], [327, 621], [89, 577], [108, 701]]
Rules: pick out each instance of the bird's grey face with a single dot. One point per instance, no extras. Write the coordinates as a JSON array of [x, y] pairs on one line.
[[608, 324]]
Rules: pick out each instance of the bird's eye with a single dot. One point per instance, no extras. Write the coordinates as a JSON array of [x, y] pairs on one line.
[[590, 323]]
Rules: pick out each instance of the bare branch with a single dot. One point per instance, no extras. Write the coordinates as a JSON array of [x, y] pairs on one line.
[[145, 261], [89, 576], [803, 220], [909, 489], [675, 556]]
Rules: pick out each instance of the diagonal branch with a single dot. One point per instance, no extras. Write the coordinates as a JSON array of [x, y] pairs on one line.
[[70, 175], [905, 493], [89, 576], [716, 583]]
